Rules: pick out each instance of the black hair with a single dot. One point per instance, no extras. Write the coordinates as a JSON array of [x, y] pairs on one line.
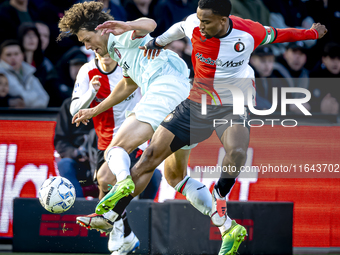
[[218, 7], [331, 50], [10, 43]]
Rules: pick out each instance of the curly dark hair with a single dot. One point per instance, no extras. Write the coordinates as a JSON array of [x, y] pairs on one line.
[[218, 7], [87, 15]]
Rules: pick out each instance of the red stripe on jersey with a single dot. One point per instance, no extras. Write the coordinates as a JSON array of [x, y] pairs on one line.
[[255, 29], [137, 37], [205, 51], [104, 122]]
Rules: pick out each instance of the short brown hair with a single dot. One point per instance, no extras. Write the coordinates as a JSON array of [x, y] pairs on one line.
[[87, 15]]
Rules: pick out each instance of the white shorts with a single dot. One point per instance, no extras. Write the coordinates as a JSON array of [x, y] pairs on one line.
[[160, 99], [166, 89]]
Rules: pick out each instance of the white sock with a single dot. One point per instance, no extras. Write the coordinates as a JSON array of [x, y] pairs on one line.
[[196, 193], [119, 162], [110, 215], [226, 225]]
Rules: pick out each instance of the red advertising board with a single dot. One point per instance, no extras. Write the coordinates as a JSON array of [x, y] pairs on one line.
[[27, 159], [315, 193]]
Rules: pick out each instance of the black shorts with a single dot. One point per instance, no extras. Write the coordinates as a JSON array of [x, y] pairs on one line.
[[189, 126], [134, 157]]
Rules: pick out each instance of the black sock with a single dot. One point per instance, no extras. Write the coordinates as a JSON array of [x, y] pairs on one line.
[[224, 185], [127, 229], [122, 204]]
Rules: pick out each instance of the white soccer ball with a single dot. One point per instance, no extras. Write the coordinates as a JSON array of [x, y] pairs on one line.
[[57, 194]]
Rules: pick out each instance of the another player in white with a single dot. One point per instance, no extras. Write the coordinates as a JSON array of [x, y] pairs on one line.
[[95, 81]]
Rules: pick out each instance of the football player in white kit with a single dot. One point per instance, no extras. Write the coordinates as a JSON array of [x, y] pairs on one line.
[[164, 84], [95, 81]]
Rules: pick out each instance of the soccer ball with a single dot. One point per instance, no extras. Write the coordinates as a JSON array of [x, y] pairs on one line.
[[57, 194]]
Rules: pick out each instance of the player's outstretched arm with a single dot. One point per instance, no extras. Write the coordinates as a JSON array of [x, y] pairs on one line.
[[141, 26], [317, 31], [123, 89], [153, 47]]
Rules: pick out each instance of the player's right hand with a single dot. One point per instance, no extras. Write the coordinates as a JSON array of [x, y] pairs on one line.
[[151, 49], [321, 29], [82, 116], [95, 82]]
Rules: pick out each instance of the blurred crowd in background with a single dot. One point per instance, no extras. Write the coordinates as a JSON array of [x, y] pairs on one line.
[[38, 72]]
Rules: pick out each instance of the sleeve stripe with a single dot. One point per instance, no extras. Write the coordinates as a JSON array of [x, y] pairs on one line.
[[271, 35], [137, 37], [275, 34], [74, 98]]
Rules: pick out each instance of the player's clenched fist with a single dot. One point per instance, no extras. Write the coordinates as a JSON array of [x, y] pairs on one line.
[[95, 82], [321, 29]]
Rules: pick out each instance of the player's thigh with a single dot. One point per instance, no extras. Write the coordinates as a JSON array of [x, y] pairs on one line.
[[131, 134], [175, 166]]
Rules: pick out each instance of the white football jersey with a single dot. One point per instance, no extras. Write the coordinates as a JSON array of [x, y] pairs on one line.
[[124, 49]]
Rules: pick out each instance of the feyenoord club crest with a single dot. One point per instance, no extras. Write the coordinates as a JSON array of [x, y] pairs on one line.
[[239, 46]]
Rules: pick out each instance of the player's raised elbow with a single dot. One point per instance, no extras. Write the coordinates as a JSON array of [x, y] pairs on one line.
[[73, 108], [153, 25]]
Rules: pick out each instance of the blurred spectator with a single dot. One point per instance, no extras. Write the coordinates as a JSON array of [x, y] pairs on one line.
[[67, 69], [325, 81], [12, 14], [22, 81], [263, 62], [50, 13], [139, 8], [169, 12], [115, 9], [29, 38], [44, 33], [70, 142], [326, 12], [179, 46], [291, 66], [251, 9], [5, 99], [289, 13]]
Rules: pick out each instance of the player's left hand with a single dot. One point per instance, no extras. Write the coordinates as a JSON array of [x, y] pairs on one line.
[[114, 26], [321, 29], [151, 49], [82, 116], [95, 82]]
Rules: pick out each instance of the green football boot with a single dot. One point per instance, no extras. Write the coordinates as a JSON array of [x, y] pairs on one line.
[[232, 239], [120, 190]]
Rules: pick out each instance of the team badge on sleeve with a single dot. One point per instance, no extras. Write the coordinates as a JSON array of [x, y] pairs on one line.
[[169, 117]]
